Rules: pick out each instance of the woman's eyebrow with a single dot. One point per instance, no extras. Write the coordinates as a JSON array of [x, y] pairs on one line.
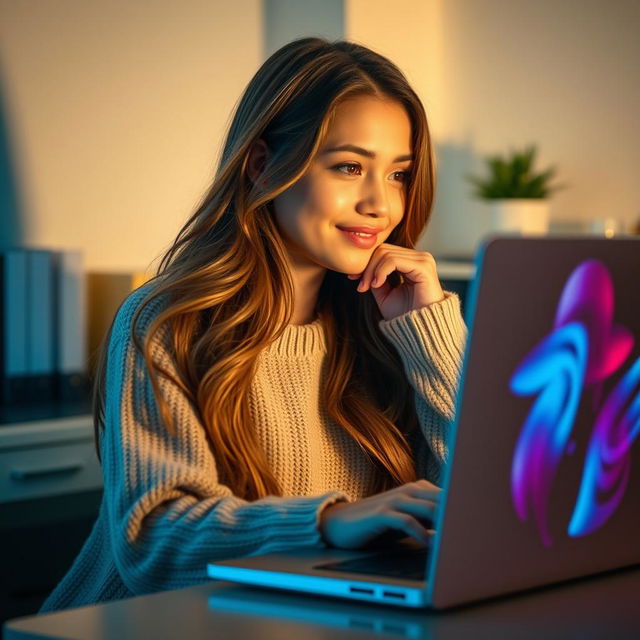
[[364, 152]]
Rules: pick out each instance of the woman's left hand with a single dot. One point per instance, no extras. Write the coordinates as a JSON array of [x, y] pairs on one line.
[[421, 286]]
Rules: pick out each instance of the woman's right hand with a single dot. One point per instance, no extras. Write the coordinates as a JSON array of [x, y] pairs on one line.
[[350, 525]]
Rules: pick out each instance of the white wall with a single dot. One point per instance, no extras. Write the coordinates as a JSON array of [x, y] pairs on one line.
[[496, 74], [117, 109], [116, 112]]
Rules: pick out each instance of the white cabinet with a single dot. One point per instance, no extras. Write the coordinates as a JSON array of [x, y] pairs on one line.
[[48, 458]]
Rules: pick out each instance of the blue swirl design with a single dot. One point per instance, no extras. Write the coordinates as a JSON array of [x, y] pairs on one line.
[[554, 371]]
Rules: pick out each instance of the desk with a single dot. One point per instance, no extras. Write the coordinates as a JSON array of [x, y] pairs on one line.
[[606, 606]]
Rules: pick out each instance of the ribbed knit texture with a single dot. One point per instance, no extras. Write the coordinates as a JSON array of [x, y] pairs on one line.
[[164, 513]]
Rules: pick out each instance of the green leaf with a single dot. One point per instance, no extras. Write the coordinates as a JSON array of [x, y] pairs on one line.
[[513, 176]]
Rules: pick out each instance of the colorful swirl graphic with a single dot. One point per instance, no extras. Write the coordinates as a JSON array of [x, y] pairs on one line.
[[584, 348], [608, 459]]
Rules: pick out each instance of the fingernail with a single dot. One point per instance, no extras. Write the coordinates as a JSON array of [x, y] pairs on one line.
[[374, 282]]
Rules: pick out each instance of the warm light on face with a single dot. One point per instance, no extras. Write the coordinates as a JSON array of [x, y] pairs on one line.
[[358, 178]]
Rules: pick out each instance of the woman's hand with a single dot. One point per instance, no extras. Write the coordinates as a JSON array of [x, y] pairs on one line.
[[421, 286], [408, 508]]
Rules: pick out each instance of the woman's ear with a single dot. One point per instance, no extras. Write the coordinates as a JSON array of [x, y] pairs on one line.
[[258, 156]]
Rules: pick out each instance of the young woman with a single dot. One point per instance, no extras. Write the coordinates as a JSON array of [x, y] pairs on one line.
[[288, 377]]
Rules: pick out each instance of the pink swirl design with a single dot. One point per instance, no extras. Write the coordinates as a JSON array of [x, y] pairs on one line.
[[588, 298]]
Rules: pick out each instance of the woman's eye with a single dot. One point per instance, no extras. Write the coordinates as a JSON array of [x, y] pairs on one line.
[[352, 169], [404, 175], [349, 167]]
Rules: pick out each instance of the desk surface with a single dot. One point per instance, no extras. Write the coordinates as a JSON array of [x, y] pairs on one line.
[[606, 606]]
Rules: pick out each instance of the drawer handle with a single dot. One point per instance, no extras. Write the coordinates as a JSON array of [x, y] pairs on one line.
[[66, 468]]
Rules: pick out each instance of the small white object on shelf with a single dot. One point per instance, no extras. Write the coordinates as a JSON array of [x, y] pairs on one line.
[[455, 270]]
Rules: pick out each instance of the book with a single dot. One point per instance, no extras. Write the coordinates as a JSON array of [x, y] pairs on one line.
[[40, 325], [70, 310], [14, 365]]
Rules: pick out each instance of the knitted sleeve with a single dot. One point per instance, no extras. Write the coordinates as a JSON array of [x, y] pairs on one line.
[[430, 342], [167, 512]]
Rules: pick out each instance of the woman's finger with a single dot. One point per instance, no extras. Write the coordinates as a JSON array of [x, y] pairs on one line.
[[413, 265], [424, 509], [409, 525], [422, 489]]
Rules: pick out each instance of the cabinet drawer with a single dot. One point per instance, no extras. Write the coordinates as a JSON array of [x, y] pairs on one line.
[[48, 470]]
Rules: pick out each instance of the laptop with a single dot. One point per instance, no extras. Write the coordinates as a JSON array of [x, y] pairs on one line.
[[543, 479]]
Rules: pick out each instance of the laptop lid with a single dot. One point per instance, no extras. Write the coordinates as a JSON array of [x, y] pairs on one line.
[[543, 481]]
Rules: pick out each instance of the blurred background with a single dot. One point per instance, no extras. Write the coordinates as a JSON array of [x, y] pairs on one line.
[[113, 113]]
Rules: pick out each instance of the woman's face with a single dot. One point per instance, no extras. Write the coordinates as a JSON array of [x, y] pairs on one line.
[[357, 179]]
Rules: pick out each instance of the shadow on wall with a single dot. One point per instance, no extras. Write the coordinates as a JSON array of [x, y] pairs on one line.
[[11, 220], [458, 221]]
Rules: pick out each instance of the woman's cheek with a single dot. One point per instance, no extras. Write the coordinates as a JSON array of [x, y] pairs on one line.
[[332, 203]]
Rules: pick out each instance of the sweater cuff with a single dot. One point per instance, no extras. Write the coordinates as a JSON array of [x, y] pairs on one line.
[[432, 335], [301, 518]]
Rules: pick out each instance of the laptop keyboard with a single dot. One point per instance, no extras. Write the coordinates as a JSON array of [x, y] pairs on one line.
[[408, 564]]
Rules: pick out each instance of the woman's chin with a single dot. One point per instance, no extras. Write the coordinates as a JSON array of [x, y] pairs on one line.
[[352, 268]]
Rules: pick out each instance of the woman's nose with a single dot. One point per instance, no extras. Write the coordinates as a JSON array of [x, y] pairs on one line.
[[374, 196]]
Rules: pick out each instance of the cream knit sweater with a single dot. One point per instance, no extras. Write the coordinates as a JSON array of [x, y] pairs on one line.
[[164, 514]]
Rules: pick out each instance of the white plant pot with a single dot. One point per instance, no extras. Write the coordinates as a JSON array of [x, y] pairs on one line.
[[528, 216]]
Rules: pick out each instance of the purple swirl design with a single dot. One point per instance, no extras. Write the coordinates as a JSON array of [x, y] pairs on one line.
[[584, 348], [608, 459]]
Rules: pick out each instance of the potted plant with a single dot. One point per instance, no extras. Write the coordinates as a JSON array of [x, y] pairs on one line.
[[518, 194]]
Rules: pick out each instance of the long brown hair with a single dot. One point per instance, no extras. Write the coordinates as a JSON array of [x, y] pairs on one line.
[[228, 264]]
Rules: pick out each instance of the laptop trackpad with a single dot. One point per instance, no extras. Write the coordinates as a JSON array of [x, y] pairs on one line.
[[409, 564]]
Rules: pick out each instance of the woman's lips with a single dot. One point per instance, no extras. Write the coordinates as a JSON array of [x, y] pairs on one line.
[[361, 241]]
